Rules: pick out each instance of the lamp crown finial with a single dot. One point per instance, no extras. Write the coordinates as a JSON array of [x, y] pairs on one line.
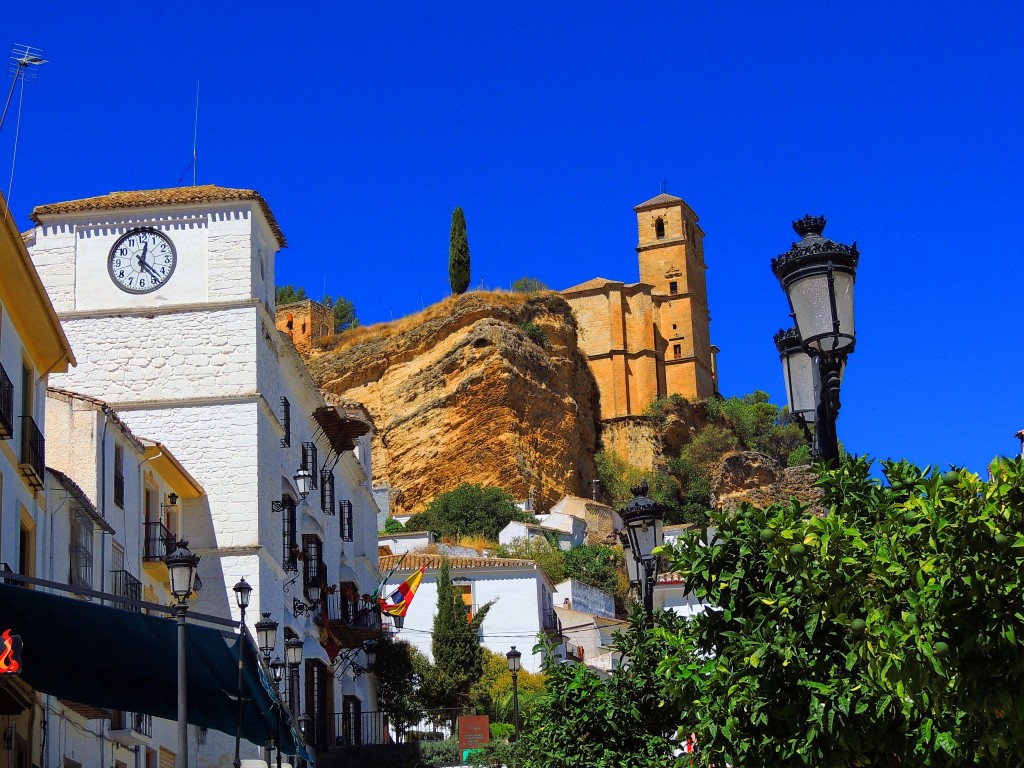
[[641, 489], [809, 225]]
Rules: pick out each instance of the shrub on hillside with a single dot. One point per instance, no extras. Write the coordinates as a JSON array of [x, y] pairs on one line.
[[469, 509]]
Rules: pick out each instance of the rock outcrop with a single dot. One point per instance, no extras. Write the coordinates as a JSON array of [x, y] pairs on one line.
[[469, 391], [759, 479]]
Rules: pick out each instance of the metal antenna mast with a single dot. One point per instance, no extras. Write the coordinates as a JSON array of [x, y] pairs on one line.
[[24, 60]]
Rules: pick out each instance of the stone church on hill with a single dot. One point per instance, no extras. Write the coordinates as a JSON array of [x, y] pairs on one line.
[[651, 339]]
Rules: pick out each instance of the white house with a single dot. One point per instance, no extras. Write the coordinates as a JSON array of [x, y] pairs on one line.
[[400, 543], [169, 295], [32, 346], [111, 516], [522, 592]]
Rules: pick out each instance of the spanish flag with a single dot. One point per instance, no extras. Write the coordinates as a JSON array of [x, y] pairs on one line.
[[397, 603]]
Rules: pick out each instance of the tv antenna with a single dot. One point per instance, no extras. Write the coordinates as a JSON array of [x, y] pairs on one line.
[[23, 66]]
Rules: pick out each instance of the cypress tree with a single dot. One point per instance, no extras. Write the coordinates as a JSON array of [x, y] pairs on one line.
[[458, 253], [455, 646]]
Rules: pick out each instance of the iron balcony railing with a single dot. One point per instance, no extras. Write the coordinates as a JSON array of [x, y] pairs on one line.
[[159, 542], [549, 621], [6, 406], [33, 452], [132, 721], [373, 728], [5, 568], [357, 614], [127, 586]]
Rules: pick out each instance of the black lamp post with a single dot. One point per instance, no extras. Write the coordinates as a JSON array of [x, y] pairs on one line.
[[514, 658], [817, 275], [277, 672], [644, 520], [181, 570], [243, 591], [293, 655]]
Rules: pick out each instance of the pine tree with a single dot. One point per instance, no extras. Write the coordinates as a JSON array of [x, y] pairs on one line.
[[458, 253], [455, 646]]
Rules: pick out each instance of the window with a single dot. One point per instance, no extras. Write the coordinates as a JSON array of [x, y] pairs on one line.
[[27, 545], [289, 561], [286, 422], [677, 351], [351, 721], [314, 570], [6, 406], [309, 461], [327, 491], [673, 288], [317, 677], [659, 228], [119, 476], [80, 549], [464, 596], [345, 519]]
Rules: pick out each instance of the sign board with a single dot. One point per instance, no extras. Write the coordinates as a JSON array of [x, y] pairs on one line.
[[10, 654], [474, 731]]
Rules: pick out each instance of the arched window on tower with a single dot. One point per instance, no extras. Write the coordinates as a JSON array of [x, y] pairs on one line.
[[659, 228]]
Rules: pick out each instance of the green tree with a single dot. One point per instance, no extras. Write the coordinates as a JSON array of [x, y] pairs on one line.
[[400, 670], [469, 509], [458, 253], [289, 294], [528, 285], [599, 566], [343, 311], [393, 526], [492, 694], [584, 721], [889, 632], [455, 646]]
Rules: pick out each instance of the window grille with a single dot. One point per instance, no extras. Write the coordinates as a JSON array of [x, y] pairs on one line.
[[345, 519], [289, 559], [309, 461], [80, 549], [314, 570], [327, 491], [6, 406], [119, 476], [286, 422]]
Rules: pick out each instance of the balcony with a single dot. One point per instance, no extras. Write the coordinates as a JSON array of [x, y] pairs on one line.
[[131, 729], [6, 406], [549, 622], [352, 622], [33, 454], [123, 584], [160, 543]]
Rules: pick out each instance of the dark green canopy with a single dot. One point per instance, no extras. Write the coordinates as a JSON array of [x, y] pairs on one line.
[[117, 659]]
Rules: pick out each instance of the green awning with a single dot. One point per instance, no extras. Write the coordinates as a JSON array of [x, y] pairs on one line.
[[117, 659]]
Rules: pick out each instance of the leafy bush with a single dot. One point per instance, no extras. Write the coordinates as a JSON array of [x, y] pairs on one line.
[[535, 333], [799, 457], [393, 526], [434, 754], [598, 566], [542, 551], [528, 285], [469, 509]]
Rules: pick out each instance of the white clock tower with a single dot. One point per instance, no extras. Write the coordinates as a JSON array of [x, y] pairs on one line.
[[167, 298]]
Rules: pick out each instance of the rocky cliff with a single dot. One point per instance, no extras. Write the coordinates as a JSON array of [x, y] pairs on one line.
[[483, 388]]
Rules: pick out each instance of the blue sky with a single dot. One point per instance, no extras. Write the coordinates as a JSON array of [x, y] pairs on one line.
[[365, 126]]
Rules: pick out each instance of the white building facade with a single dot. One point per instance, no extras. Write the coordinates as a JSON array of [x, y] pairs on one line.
[[521, 590], [169, 296]]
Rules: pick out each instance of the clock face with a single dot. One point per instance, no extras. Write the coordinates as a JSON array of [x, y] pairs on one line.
[[142, 260]]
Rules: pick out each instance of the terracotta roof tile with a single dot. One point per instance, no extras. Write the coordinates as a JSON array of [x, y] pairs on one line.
[[663, 199], [415, 560], [151, 198]]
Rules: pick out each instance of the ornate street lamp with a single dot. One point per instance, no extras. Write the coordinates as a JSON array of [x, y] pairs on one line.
[[181, 570], [243, 591], [303, 481], [371, 655], [293, 655], [514, 658], [266, 636], [644, 520], [817, 275]]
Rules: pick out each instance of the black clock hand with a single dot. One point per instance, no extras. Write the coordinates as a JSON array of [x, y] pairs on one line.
[[151, 271]]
